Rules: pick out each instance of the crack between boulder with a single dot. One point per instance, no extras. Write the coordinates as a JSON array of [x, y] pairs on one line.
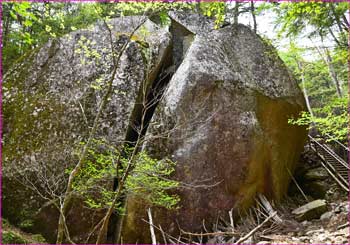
[[142, 113]]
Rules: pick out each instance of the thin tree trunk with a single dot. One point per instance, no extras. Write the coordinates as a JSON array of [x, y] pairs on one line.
[[101, 238], [346, 22], [77, 168], [153, 235], [236, 13], [252, 11], [328, 61], [333, 74], [198, 7], [301, 70], [7, 26], [119, 225], [102, 235], [334, 37], [336, 17]]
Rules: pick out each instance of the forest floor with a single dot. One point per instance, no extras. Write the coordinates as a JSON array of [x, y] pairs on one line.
[[331, 228]]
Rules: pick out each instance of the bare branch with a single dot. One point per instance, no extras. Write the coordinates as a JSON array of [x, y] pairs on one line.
[[242, 239], [153, 236], [217, 233], [178, 241]]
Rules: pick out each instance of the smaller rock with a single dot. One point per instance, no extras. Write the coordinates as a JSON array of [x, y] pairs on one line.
[[304, 238], [326, 216], [264, 242], [340, 240], [311, 210], [321, 237], [338, 209], [316, 189], [316, 174], [342, 207], [305, 223]]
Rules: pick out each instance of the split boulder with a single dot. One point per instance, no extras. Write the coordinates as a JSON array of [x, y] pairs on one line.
[[225, 113]]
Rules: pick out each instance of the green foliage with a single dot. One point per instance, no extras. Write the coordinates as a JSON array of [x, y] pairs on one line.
[[97, 175], [39, 238], [164, 19], [149, 179], [140, 8], [26, 224], [88, 56], [9, 237], [325, 18], [340, 61], [216, 10], [329, 111], [332, 119]]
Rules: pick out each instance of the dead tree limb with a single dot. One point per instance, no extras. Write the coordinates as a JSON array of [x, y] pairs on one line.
[[231, 220], [295, 181], [343, 226], [153, 235], [266, 204], [217, 233], [242, 239], [169, 236], [163, 235]]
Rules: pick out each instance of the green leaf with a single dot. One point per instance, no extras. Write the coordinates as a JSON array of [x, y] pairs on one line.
[[48, 28], [27, 23], [14, 16]]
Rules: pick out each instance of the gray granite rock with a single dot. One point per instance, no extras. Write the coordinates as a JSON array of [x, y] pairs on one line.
[[224, 121], [311, 210], [52, 95]]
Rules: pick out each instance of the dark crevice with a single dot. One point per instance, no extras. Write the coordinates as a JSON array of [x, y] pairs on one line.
[[144, 108], [141, 116], [143, 112]]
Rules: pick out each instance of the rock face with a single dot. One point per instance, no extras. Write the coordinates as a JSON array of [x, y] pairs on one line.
[[52, 95], [226, 111], [311, 210]]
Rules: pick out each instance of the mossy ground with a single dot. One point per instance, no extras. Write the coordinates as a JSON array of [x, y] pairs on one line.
[[13, 235]]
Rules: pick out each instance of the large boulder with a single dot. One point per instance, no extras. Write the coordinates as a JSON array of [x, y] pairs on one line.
[[51, 97], [225, 114]]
